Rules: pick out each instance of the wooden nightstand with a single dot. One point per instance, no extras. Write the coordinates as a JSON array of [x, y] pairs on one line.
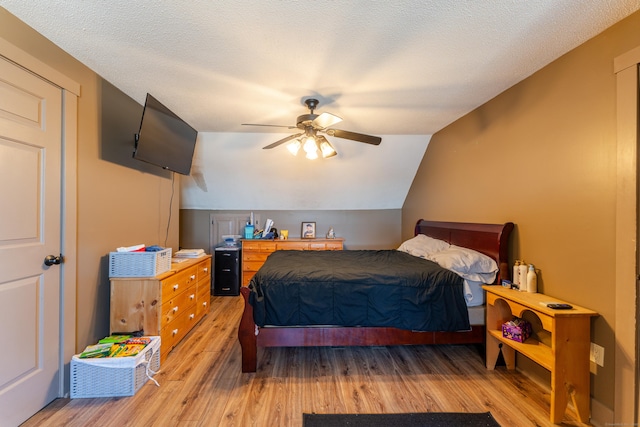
[[562, 347]]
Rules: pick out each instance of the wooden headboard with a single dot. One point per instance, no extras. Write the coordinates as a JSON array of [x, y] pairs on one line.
[[489, 239]]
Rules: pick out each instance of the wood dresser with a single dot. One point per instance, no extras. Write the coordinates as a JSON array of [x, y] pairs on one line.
[[256, 251], [168, 305], [560, 343]]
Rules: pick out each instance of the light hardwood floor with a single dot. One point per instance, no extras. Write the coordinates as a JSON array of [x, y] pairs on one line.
[[201, 385]]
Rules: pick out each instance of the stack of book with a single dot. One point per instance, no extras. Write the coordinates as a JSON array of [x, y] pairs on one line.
[[189, 253], [116, 346]]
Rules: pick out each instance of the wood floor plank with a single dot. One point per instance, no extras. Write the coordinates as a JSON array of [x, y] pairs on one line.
[[201, 384]]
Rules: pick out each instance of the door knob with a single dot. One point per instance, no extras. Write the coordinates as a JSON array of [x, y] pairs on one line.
[[52, 260]]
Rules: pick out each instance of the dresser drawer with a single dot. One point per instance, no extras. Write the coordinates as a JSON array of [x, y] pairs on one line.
[[203, 301], [181, 303], [326, 246], [292, 246], [178, 283], [252, 266], [258, 245], [174, 331], [333, 246], [246, 277], [204, 270], [204, 286], [254, 256]]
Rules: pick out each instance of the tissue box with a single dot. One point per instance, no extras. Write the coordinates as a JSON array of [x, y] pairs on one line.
[[516, 329]]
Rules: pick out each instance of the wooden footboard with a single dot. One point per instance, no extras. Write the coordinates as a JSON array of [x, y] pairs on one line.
[[251, 336], [247, 334]]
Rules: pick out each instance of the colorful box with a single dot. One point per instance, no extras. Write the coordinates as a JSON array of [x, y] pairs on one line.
[[516, 329]]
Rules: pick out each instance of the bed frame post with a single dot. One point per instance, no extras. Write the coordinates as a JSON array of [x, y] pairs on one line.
[[247, 335]]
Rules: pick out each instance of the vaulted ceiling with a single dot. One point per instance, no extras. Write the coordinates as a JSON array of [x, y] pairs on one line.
[[386, 67]]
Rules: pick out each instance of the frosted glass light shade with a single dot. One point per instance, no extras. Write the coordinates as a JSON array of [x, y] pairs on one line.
[[310, 144], [294, 147], [327, 149]]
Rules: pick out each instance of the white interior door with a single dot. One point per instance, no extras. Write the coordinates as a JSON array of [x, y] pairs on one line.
[[30, 229]]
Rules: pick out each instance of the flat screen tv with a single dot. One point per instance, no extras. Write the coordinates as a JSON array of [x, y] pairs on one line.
[[164, 139]]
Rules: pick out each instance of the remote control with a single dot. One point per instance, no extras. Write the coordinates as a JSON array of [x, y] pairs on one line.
[[559, 306]]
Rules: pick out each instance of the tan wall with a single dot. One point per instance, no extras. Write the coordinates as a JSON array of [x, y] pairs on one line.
[[543, 155], [120, 201]]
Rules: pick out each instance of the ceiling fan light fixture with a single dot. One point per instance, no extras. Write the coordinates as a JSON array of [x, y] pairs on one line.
[[310, 145], [294, 147], [309, 139], [327, 149]]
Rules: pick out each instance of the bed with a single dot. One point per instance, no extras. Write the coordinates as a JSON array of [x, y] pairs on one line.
[[258, 328]]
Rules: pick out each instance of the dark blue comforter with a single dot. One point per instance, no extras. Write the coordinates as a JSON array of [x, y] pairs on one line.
[[357, 288]]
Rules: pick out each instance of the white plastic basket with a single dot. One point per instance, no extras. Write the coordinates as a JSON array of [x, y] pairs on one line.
[[114, 376], [139, 264]]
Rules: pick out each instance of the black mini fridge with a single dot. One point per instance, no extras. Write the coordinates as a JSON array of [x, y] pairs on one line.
[[226, 271]]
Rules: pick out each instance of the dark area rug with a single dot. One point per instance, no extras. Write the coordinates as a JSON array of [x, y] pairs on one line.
[[425, 419]]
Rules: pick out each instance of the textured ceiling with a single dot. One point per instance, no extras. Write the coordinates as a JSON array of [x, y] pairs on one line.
[[386, 67], [399, 69]]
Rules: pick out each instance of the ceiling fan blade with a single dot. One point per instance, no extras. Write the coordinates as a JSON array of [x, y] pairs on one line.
[[325, 120], [282, 141], [374, 140], [273, 126]]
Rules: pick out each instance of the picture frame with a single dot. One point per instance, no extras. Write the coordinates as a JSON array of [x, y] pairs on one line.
[[308, 230]]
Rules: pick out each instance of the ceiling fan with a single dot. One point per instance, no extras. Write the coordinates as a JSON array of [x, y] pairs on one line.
[[309, 139]]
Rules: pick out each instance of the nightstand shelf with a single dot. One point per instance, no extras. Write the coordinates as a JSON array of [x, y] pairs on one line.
[[532, 348], [560, 346]]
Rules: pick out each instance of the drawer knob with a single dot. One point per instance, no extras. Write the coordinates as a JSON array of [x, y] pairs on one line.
[[192, 316], [175, 309], [174, 332], [204, 304], [193, 277], [206, 269], [192, 296], [175, 287]]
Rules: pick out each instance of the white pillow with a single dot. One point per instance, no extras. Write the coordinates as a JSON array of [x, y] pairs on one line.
[[469, 264], [422, 246]]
